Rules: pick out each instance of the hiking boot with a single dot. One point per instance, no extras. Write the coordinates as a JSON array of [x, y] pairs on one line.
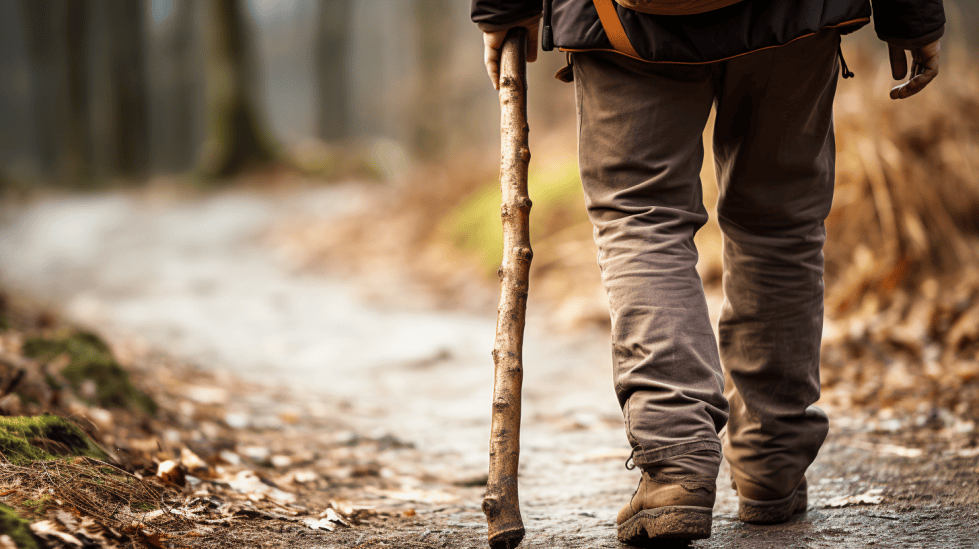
[[768, 510], [668, 506]]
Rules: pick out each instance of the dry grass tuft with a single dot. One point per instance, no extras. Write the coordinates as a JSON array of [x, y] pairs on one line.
[[902, 262], [120, 504], [908, 184]]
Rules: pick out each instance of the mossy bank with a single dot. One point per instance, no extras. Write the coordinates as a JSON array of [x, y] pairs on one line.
[[19, 530], [24, 439], [91, 370]]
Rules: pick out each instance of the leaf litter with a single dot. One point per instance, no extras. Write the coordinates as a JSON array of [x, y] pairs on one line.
[[201, 470]]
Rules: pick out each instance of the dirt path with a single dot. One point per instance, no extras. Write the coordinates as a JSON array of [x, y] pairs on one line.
[[192, 278]]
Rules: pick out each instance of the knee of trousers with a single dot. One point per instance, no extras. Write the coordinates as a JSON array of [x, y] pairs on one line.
[[773, 365]]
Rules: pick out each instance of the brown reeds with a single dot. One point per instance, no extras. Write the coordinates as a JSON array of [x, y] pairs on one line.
[[907, 204], [902, 259]]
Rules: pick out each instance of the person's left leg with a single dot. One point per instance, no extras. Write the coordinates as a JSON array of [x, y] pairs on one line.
[[775, 153]]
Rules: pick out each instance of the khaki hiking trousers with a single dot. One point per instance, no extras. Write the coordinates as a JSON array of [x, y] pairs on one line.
[[640, 153]]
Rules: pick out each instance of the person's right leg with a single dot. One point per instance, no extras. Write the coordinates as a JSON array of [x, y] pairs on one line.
[[640, 154]]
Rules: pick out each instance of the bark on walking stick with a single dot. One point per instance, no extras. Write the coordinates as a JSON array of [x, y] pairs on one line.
[[501, 505]]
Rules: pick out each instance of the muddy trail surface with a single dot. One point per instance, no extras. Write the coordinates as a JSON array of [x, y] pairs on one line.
[[194, 278]]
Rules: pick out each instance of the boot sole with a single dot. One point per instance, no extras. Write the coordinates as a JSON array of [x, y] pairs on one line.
[[672, 522], [773, 512]]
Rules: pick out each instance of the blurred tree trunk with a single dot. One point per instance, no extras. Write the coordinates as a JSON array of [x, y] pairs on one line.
[[56, 41], [331, 60], [46, 68], [434, 20], [237, 139], [77, 151], [130, 106], [179, 76], [184, 97]]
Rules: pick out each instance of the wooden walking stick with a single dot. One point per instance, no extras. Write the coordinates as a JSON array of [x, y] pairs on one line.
[[501, 505]]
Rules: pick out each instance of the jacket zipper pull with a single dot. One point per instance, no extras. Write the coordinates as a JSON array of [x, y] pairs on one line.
[[847, 73], [547, 36]]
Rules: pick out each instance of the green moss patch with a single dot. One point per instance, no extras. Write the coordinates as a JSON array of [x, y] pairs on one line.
[[90, 359], [26, 439], [38, 506], [474, 226], [17, 528]]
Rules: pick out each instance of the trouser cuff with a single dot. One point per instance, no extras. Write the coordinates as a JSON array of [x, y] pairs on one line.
[[656, 456]]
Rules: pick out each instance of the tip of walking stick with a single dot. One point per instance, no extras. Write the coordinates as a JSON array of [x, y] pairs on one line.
[[508, 539]]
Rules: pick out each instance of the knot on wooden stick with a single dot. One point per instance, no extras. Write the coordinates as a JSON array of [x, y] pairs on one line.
[[491, 507], [524, 253], [524, 153], [507, 211]]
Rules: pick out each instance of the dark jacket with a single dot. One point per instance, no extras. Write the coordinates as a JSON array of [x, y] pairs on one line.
[[736, 29]]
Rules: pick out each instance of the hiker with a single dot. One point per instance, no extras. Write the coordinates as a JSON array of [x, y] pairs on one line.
[[646, 74]]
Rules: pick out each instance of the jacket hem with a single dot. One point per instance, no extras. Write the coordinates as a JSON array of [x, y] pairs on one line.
[[860, 21], [669, 10], [497, 27]]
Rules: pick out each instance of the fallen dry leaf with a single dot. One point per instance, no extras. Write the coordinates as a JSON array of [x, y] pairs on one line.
[[153, 540], [171, 471], [153, 515], [247, 482], [319, 524], [327, 520], [301, 476], [144, 445], [969, 452], [331, 515], [192, 461], [46, 529], [230, 457], [66, 519], [207, 395], [870, 497]]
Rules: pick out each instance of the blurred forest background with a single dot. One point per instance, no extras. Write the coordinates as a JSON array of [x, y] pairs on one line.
[[213, 93], [130, 88]]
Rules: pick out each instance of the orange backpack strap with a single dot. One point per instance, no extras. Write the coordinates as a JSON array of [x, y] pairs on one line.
[[613, 27]]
